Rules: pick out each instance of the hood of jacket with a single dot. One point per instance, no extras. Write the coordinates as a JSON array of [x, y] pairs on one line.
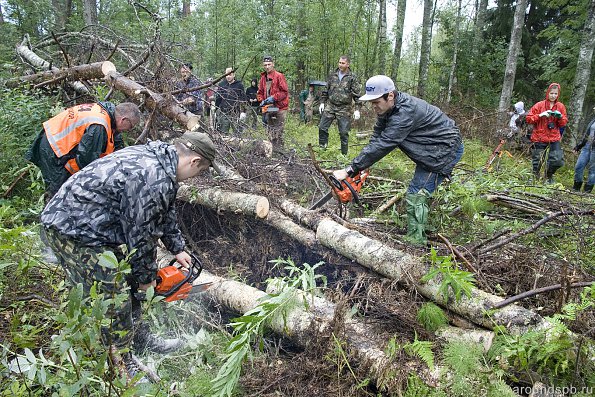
[[519, 108]]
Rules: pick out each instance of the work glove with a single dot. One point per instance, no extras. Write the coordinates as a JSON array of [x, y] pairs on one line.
[[556, 114], [356, 115], [268, 101], [545, 114], [242, 116], [321, 108]]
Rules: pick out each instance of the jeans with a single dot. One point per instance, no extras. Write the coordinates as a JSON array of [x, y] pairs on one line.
[[424, 179], [586, 159]]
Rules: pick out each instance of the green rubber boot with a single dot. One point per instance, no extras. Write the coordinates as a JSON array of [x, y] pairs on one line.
[[417, 216]]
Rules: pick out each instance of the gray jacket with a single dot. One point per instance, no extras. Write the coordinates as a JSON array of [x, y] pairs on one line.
[[124, 198], [422, 131]]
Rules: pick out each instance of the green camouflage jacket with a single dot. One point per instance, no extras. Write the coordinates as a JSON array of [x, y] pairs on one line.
[[340, 93], [124, 198]]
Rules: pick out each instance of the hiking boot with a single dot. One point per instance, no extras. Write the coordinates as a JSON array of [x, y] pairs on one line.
[[145, 340], [133, 371]]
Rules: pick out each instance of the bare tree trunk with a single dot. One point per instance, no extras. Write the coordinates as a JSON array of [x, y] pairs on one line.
[[426, 44], [1, 15], [62, 12], [401, 8], [513, 54], [185, 8], [354, 28], [381, 41], [480, 15], [453, 66], [583, 75], [90, 12]]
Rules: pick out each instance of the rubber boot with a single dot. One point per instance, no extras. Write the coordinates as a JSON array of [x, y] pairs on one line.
[[47, 253], [588, 188], [549, 178], [577, 186], [417, 217], [145, 340], [322, 139], [344, 148]]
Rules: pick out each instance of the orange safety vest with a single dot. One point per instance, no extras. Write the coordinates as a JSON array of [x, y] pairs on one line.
[[65, 130]]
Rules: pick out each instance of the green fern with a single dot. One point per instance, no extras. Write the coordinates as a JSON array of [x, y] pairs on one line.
[[461, 282], [431, 317], [422, 350], [463, 358]]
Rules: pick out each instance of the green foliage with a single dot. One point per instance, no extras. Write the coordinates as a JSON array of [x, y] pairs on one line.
[[76, 360], [459, 281], [417, 348], [249, 328], [431, 317], [21, 115], [552, 351]]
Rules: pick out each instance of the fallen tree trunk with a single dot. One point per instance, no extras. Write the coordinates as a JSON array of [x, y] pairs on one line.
[[153, 100], [256, 147], [37, 62], [302, 323], [80, 72]]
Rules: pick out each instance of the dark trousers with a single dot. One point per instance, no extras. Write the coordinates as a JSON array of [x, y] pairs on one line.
[[549, 153]]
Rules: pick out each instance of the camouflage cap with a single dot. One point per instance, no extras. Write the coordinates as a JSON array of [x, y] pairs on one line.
[[201, 144]]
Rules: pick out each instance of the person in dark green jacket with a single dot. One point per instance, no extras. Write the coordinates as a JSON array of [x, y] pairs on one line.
[[92, 144]]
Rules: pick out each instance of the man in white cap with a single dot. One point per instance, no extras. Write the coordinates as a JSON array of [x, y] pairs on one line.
[[423, 132]]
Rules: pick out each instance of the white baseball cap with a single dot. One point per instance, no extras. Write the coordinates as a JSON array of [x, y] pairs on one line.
[[376, 86]]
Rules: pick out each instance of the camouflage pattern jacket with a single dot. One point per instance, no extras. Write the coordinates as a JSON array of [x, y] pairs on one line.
[[124, 198], [340, 94]]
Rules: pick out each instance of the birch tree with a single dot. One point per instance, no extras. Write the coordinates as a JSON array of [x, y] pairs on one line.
[[90, 12], [453, 66], [513, 54], [398, 30], [62, 12], [426, 43], [583, 74], [381, 40]]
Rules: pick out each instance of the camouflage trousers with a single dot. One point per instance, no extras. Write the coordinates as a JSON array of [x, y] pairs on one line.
[[275, 124], [81, 265], [343, 118]]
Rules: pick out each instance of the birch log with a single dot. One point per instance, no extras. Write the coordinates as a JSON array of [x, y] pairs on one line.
[[257, 147], [302, 323], [79, 72], [221, 200], [396, 264], [37, 62]]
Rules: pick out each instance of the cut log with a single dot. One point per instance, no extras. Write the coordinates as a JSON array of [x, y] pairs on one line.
[[39, 63], [221, 200]]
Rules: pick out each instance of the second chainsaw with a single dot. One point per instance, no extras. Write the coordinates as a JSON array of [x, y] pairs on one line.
[[346, 190]]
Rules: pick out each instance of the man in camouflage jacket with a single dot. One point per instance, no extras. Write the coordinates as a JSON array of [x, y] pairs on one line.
[[125, 199], [342, 89]]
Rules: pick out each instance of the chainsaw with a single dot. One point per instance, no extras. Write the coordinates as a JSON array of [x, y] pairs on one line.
[[175, 282], [346, 190]]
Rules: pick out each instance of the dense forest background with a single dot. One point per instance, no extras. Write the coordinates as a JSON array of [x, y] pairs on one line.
[[468, 41]]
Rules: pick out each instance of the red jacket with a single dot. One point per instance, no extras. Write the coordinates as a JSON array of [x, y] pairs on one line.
[[541, 132], [279, 89]]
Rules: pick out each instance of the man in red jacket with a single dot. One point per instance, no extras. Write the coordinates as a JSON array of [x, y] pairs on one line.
[[548, 117], [273, 91]]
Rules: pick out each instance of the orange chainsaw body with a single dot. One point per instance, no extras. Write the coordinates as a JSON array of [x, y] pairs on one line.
[[348, 189], [170, 277]]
